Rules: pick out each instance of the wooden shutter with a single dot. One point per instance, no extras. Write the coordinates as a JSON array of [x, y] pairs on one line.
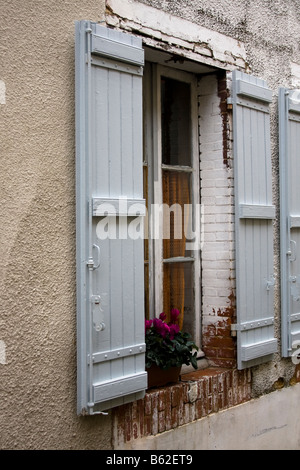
[[110, 279], [289, 145], [254, 214]]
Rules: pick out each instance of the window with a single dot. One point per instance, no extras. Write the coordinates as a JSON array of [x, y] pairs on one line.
[[171, 189]]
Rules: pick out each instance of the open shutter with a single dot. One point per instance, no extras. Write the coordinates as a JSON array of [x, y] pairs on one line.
[[289, 145], [254, 214], [110, 209]]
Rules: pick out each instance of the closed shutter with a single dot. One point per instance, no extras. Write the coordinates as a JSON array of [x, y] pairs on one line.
[[110, 209], [289, 145], [254, 214]]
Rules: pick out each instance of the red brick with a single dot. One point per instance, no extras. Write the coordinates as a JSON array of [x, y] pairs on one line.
[[192, 412], [147, 403], [147, 425], [161, 400], [174, 417], [161, 421], [198, 409]]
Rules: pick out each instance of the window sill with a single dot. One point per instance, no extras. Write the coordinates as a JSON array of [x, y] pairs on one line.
[[198, 393]]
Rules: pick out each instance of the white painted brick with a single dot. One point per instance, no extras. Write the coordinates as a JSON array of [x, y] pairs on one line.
[[223, 236], [211, 137], [224, 255], [209, 237], [209, 292], [207, 147], [208, 156], [208, 256], [220, 218], [209, 125], [217, 227], [214, 174], [208, 210], [225, 292], [223, 200], [215, 265], [218, 283], [210, 164], [221, 191], [219, 247], [229, 180]]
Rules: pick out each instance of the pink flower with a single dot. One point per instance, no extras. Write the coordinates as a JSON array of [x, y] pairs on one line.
[[174, 329], [148, 324], [161, 327], [174, 315], [163, 316]]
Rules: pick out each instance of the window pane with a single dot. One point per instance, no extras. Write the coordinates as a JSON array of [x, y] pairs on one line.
[[176, 197], [176, 124], [179, 292]]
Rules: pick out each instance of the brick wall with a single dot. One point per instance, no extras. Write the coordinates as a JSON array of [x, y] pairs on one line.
[[216, 175], [197, 395]]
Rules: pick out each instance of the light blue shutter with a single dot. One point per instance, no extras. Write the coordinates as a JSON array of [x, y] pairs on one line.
[[110, 280], [254, 214], [289, 152]]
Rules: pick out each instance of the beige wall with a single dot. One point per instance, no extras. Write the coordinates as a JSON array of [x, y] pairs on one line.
[[37, 227]]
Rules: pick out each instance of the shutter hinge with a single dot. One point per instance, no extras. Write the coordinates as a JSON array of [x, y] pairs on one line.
[[251, 325]]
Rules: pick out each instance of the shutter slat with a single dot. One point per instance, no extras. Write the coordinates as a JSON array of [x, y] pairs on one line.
[[253, 223], [111, 342]]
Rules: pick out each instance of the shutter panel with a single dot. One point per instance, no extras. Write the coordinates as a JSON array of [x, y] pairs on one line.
[[289, 144], [110, 279], [254, 214]]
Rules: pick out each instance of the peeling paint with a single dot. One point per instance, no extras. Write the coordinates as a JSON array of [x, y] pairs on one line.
[[198, 42]]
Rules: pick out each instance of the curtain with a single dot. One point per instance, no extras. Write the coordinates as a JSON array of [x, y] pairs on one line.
[[176, 186]]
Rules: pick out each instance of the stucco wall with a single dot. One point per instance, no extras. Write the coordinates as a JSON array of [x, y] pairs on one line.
[[37, 227]]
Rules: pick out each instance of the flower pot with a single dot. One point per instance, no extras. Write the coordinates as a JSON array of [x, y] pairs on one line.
[[158, 377]]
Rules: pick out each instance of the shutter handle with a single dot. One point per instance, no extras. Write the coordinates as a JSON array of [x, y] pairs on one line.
[[98, 256], [91, 264]]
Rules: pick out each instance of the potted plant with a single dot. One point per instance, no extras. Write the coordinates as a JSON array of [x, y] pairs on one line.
[[167, 349]]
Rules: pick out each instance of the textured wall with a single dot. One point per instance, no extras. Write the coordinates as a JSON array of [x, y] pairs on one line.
[[37, 227]]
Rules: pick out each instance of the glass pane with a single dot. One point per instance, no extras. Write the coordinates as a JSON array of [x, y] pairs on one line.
[[176, 197], [179, 292], [175, 122]]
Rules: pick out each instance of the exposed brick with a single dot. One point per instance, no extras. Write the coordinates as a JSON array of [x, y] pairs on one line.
[[192, 412], [154, 404], [176, 393], [147, 404], [174, 417], [147, 425], [128, 422], [161, 400], [161, 421], [166, 408]]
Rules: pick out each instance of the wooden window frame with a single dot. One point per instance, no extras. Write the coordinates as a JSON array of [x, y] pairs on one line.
[[153, 152]]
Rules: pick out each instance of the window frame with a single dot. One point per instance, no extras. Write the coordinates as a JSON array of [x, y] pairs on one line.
[[153, 147]]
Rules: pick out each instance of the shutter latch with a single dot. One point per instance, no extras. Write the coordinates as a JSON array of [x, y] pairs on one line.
[[98, 319]]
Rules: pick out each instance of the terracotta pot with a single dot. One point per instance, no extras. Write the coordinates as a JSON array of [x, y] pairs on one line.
[[158, 377]]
